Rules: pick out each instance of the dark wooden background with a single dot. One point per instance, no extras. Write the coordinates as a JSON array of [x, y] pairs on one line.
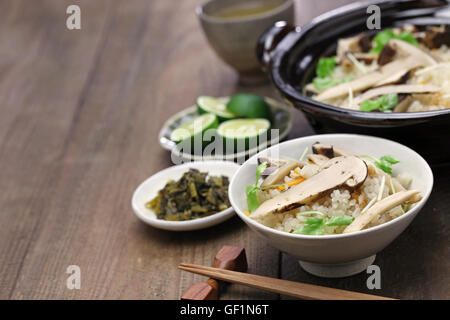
[[79, 116]]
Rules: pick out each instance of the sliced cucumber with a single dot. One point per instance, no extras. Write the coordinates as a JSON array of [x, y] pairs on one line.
[[217, 106]]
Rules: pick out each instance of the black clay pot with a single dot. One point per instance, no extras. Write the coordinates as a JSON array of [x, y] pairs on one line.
[[290, 55]]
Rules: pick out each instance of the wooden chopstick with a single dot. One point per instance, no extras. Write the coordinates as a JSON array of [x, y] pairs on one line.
[[285, 287]]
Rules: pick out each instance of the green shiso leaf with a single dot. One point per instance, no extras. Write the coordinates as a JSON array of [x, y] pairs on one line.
[[370, 105], [313, 226], [388, 101], [383, 37], [340, 220], [389, 159], [408, 37], [252, 197], [325, 67], [384, 163], [316, 225], [327, 82], [260, 169], [384, 103], [252, 190]]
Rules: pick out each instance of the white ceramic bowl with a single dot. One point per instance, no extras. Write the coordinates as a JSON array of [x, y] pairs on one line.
[[148, 189], [344, 254]]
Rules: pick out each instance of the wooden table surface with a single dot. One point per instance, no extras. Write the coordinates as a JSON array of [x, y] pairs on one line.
[[80, 112]]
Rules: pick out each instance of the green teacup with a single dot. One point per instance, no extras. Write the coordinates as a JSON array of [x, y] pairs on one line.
[[233, 28]]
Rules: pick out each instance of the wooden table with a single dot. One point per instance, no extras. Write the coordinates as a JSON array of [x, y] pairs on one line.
[[80, 112]]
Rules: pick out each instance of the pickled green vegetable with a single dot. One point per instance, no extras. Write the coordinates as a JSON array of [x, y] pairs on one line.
[[195, 195]]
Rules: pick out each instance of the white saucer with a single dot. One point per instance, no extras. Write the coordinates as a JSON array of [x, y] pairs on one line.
[[148, 189]]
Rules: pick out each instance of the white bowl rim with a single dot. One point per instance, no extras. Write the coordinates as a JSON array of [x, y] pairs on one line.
[[181, 225], [258, 225]]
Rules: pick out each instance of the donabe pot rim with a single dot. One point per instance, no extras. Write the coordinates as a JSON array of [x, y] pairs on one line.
[[294, 38]]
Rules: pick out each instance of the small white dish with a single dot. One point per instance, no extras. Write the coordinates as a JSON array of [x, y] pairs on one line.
[[148, 189], [340, 255]]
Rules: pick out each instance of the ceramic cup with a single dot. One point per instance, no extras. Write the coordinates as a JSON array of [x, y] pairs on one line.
[[234, 38]]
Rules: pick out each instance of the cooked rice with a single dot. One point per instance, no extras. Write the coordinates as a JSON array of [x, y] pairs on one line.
[[339, 202]]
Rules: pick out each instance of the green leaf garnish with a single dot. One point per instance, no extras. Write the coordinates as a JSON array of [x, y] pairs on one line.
[[370, 105], [316, 226], [327, 82], [389, 159], [384, 166], [323, 83], [325, 67], [383, 37], [324, 70], [313, 226], [252, 197], [407, 37], [340, 220], [260, 169], [251, 190], [388, 101], [384, 103], [384, 163]]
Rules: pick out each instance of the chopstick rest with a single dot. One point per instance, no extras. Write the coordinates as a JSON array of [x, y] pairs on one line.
[[227, 258]]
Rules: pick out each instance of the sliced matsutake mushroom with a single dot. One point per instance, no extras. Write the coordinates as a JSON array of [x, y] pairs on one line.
[[365, 42], [366, 57], [406, 49], [435, 37], [346, 45], [411, 54], [309, 170], [397, 48], [401, 88], [329, 151], [409, 58], [272, 165], [393, 71], [349, 172], [318, 159], [346, 62], [403, 105], [281, 171], [372, 169], [386, 55], [381, 207], [358, 43], [323, 149], [311, 88]]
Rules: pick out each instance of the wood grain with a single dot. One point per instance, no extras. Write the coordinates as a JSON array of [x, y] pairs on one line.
[[80, 111]]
